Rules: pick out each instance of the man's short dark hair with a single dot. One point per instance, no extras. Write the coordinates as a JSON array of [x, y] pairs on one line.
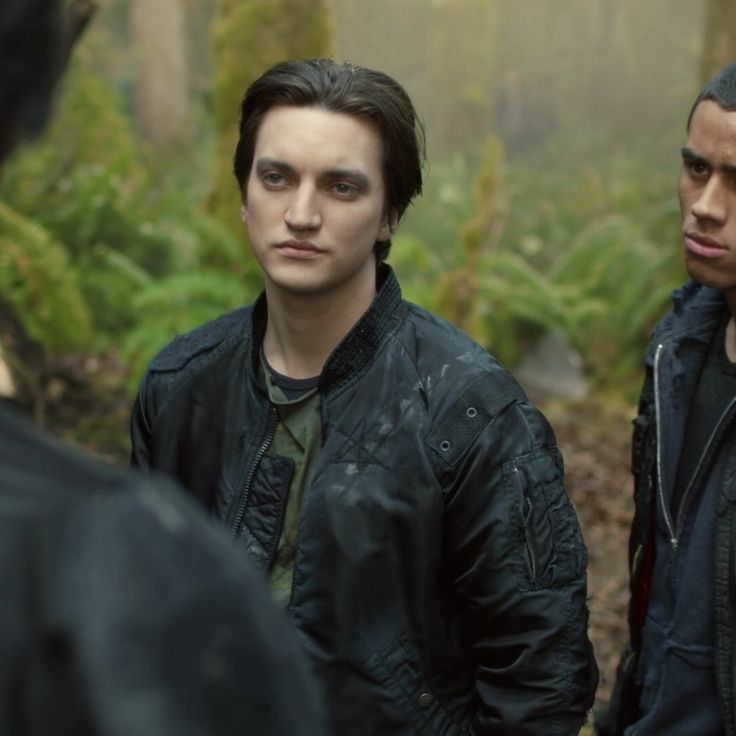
[[32, 53], [721, 89], [343, 88]]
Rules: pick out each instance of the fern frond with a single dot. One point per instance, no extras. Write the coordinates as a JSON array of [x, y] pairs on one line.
[[39, 284]]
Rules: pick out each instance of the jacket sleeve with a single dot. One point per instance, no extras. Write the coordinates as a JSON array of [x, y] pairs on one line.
[[140, 430], [518, 563]]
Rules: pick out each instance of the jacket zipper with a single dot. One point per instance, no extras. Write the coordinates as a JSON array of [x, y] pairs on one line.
[[526, 509], [675, 534], [660, 484], [716, 433], [270, 432]]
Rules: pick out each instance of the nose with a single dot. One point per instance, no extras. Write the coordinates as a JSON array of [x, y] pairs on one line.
[[303, 211], [711, 201]]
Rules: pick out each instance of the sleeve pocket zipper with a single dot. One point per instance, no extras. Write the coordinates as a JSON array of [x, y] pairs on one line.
[[526, 511]]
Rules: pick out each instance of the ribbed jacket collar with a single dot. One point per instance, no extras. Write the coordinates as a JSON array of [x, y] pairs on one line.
[[357, 349]]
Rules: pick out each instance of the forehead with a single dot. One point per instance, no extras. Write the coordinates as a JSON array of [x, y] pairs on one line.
[[317, 137], [712, 133]]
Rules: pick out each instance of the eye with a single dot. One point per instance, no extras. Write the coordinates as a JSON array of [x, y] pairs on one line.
[[273, 179], [697, 169], [345, 190]]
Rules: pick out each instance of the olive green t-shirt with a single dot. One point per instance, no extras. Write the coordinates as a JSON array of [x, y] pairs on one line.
[[298, 437]]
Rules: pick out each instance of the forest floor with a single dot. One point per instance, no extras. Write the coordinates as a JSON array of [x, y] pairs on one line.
[[595, 443], [93, 410]]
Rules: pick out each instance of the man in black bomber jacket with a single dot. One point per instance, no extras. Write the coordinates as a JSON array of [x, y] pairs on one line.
[[390, 478]]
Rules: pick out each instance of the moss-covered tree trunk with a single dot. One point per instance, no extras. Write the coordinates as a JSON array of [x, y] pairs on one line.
[[719, 40], [248, 37], [158, 31]]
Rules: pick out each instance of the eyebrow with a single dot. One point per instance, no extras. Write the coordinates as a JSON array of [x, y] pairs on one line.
[[271, 163], [689, 156], [354, 175]]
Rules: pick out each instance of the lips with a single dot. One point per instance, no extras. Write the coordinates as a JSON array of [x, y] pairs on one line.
[[299, 249], [703, 246]]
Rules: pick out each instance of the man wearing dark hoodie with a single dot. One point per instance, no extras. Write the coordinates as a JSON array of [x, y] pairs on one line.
[[676, 676]]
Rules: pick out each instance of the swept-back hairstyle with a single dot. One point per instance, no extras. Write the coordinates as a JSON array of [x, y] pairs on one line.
[[343, 88], [32, 54], [721, 89]]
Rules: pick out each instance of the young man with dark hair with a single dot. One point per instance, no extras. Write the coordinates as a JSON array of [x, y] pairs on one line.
[[390, 478], [677, 675], [123, 610]]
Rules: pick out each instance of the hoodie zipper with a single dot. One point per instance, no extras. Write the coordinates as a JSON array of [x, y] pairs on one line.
[[660, 484], [268, 438], [715, 434], [712, 440]]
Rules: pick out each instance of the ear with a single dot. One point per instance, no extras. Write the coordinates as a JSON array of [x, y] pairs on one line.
[[388, 228]]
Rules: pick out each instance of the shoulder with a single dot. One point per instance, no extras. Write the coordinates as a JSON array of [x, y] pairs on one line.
[[436, 342], [189, 354], [469, 393], [41, 474], [203, 340], [695, 309], [448, 360]]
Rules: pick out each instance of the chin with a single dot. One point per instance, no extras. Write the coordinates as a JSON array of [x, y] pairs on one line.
[[710, 276], [296, 285]]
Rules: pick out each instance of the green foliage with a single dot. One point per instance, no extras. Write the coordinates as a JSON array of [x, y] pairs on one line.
[[605, 292], [39, 285], [125, 221], [613, 261], [85, 181], [591, 251], [99, 237], [176, 304]]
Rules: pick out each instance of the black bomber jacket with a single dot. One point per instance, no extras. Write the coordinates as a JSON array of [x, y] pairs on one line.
[[440, 579]]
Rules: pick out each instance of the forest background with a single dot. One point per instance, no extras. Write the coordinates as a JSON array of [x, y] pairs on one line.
[[553, 129]]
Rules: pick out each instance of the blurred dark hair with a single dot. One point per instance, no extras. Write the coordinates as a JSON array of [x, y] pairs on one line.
[[721, 89], [342, 88], [32, 54]]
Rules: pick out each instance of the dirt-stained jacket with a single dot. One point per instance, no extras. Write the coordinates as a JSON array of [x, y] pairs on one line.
[[440, 578]]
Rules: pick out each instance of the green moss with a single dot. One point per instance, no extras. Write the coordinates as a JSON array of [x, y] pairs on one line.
[[248, 37]]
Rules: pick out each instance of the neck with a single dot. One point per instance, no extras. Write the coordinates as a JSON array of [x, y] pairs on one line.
[[304, 329]]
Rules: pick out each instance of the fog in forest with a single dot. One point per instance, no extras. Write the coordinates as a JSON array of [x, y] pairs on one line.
[[571, 71], [535, 71], [553, 131]]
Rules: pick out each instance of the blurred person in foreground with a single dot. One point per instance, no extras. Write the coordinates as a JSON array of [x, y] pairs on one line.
[[122, 609], [389, 477], [677, 675]]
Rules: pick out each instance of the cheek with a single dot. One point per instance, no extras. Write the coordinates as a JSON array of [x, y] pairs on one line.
[[371, 222], [257, 210], [685, 196]]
